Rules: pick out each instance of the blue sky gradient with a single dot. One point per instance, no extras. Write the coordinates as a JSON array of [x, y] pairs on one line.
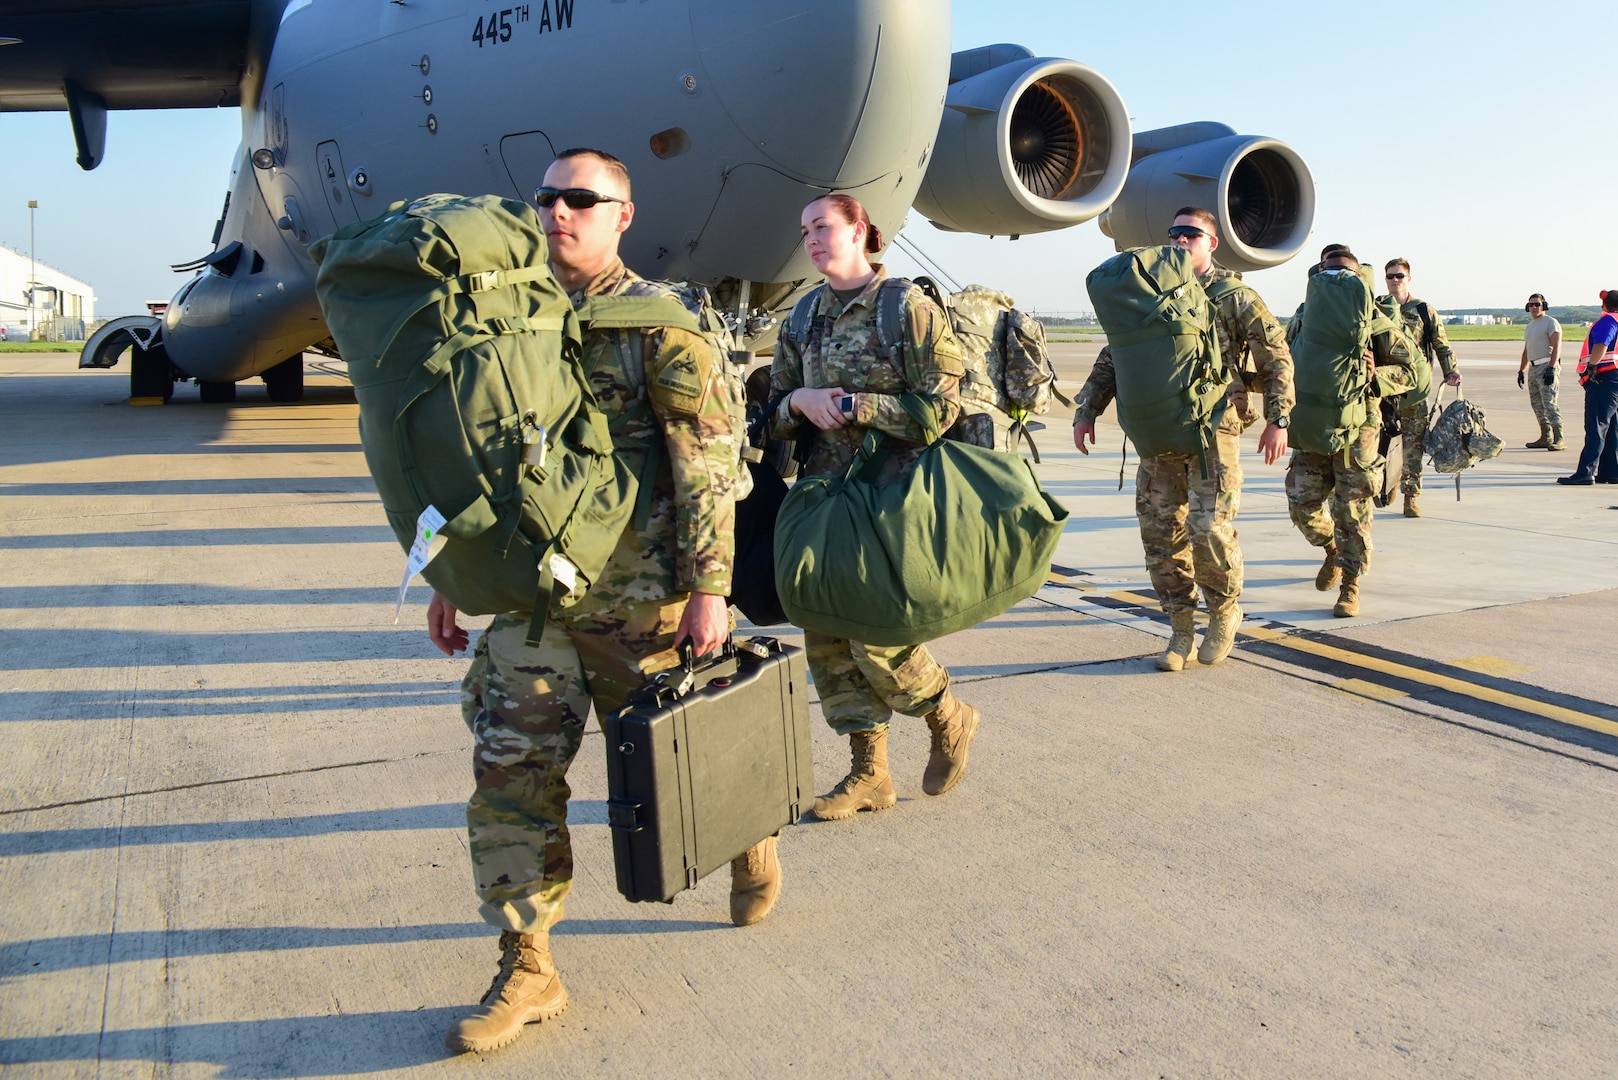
[[1476, 141]]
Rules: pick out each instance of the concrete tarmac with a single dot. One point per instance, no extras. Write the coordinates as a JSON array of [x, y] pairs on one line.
[[232, 845]]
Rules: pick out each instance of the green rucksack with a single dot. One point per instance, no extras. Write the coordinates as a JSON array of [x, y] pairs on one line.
[[1334, 384], [494, 464], [1171, 380]]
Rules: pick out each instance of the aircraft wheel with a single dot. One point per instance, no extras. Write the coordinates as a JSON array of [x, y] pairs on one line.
[[217, 393], [151, 374], [284, 381]]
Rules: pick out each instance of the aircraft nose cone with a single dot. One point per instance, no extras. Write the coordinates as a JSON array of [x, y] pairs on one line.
[[833, 91]]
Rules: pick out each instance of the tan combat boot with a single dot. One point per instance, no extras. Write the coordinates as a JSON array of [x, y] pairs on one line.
[[1557, 442], [1348, 598], [1541, 443], [755, 882], [866, 787], [1411, 509], [1221, 634], [1181, 641], [1330, 574], [953, 724], [526, 991]]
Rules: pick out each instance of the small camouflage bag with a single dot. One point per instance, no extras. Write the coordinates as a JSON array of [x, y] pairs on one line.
[[1459, 440]]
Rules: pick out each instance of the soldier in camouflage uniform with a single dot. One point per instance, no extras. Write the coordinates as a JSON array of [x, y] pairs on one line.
[[527, 704], [1329, 495], [839, 382], [1187, 521], [1413, 407]]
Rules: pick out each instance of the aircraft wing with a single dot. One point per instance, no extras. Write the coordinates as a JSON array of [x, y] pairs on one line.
[[131, 54]]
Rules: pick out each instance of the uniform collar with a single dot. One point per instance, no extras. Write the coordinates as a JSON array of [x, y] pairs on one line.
[[866, 297], [608, 282]]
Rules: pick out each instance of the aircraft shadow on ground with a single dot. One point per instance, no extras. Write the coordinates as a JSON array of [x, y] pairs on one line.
[[169, 538], [295, 1046], [175, 594], [432, 816], [233, 485], [66, 649], [223, 702]]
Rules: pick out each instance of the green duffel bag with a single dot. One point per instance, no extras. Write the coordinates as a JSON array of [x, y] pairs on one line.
[[963, 537], [1171, 380], [1334, 384]]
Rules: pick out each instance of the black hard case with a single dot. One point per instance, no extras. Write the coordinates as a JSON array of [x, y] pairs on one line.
[[704, 762]]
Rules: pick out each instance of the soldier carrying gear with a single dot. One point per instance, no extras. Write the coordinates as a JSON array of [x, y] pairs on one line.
[[664, 391], [1186, 502], [1349, 353], [843, 379], [1412, 409]]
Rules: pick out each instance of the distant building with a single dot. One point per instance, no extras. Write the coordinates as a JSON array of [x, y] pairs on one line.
[[1476, 320], [61, 305]]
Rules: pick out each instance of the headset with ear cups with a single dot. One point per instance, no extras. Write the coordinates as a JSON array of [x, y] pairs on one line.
[[1541, 298]]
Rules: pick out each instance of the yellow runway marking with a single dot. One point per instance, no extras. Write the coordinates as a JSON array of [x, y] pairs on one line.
[[1361, 688], [1491, 665]]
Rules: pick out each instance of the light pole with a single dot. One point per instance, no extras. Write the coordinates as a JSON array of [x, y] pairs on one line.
[[33, 204]]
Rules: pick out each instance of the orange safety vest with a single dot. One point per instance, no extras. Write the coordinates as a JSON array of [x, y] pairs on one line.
[[1609, 362]]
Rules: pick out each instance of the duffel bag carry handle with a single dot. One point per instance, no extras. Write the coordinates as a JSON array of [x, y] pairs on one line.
[[874, 450]]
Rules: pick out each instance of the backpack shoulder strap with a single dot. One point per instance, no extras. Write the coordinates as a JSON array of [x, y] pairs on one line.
[[1220, 288], [803, 313], [636, 313], [890, 322]]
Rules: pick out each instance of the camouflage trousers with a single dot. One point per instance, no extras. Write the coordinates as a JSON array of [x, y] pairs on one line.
[[862, 686], [1542, 399], [1188, 525], [1346, 480], [1414, 412], [527, 706]]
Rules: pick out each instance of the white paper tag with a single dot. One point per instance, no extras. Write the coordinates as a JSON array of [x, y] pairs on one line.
[[565, 573], [428, 543]]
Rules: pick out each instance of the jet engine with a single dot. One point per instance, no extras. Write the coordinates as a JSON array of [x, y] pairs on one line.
[[1026, 145], [1258, 188]]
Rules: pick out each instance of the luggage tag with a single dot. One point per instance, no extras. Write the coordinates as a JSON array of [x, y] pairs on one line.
[[428, 543]]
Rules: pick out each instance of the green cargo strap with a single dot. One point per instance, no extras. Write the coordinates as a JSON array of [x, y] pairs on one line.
[[1018, 432], [543, 598], [1167, 328], [635, 313], [469, 283], [875, 447]]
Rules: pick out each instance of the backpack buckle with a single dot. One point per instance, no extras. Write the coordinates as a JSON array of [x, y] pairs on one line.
[[483, 281]]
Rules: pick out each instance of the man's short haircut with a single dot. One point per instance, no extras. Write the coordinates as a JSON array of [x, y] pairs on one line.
[[1210, 224], [1544, 304], [1400, 263], [1609, 301], [1331, 249], [1342, 255], [617, 168]]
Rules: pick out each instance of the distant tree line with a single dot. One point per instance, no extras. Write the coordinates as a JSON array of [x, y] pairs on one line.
[[1573, 313]]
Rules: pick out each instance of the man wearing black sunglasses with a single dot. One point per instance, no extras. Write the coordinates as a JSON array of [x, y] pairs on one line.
[[1187, 516], [1541, 363], [1410, 410], [663, 391]]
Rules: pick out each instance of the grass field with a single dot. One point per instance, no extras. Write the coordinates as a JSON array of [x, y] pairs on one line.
[[41, 346]]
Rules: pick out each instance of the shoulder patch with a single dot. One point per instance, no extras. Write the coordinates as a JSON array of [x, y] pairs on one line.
[[681, 376]]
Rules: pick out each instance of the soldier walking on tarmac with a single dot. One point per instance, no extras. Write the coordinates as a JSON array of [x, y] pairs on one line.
[[1187, 519], [664, 584], [1413, 407], [1541, 371]]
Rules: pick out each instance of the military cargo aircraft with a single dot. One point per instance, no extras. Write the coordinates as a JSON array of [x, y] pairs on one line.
[[731, 115]]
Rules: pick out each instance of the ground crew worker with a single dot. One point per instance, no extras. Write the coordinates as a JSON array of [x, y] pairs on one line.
[[840, 381], [1411, 407], [1541, 370], [527, 704], [1347, 480], [1187, 520], [1598, 372]]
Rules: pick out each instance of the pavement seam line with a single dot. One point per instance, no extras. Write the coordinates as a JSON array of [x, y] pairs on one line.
[[230, 780]]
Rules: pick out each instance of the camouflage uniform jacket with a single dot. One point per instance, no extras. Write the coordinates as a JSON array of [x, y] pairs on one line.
[[1251, 344], [1395, 364], [842, 351], [688, 543], [1435, 344]]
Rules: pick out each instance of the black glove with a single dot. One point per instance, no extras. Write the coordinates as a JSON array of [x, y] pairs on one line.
[[1521, 380], [1550, 374]]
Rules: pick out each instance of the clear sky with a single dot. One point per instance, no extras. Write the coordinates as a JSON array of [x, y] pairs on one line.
[[1476, 141]]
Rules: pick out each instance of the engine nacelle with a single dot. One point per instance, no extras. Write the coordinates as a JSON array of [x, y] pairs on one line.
[[1258, 188], [1026, 145]]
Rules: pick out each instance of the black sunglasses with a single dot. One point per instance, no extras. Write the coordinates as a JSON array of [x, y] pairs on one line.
[[1395, 277], [577, 198], [1535, 303], [1191, 231]]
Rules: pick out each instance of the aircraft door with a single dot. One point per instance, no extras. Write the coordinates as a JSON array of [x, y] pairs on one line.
[[334, 179], [526, 155]]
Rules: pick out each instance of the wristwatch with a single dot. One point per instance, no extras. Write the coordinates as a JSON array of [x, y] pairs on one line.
[[1283, 421]]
